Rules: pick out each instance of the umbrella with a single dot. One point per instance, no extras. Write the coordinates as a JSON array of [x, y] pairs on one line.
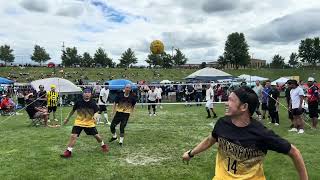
[[119, 84], [5, 81]]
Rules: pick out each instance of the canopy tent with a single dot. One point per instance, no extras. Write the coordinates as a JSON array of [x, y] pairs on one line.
[[5, 81], [209, 74], [280, 81], [63, 86], [119, 84], [165, 82], [249, 78]]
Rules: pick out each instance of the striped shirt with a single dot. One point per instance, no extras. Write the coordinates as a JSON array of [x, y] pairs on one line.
[[52, 98]]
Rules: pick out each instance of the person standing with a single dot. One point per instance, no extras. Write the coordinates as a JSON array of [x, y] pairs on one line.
[[52, 100], [296, 100], [158, 90], [273, 104], [198, 93], [287, 95], [243, 142], [210, 100], [122, 108], [152, 97], [102, 103], [265, 99], [86, 112], [313, 101], [42, 96], [258, 90], [189, 93]]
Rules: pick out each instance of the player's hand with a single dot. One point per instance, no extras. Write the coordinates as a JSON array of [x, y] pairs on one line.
[[186, 157], [65, 121]]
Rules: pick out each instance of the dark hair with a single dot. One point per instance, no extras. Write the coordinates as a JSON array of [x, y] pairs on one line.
[[106, 83], [295, 82], [268, 81], [247, 95]]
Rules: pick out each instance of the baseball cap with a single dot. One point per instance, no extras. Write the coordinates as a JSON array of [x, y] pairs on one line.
[[87, 90], [311, 79], [52, 86]]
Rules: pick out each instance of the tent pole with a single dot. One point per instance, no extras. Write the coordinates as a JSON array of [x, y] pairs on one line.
[[60, 99]]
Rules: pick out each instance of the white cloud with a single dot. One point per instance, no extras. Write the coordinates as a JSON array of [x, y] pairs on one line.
[[198, 27]]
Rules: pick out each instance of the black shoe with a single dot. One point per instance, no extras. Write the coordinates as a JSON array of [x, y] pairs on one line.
[[208, 117], [113, 139], [215, 116], [120, 144]]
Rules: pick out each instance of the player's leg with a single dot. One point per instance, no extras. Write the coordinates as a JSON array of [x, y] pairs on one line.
[[123, 125], [116, 120], [76, 130]]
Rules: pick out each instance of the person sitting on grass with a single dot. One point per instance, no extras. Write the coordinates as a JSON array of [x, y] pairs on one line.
[[7, 105], [35, 110]]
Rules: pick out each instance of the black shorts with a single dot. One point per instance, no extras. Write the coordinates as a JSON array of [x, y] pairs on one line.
[[102, 108], [297, 112], [88, 130], [264, 106], [290, 115], [313, 110], [52, 109]]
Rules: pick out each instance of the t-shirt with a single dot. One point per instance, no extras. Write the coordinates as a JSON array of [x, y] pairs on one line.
[[274, 95], [241, 150], [125, 104], [258, 91], [159, 92], [209, 94], [265, 95], [85, 112], [313, 94], [198, 87], [41, 94], [104, 94], [295, 97], [52, 98], [152, 95]]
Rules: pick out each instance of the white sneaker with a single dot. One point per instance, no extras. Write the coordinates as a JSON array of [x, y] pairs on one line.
[[293, 130], [154, 114], [150, 115], [108, 123], [276, 124], [301, 131], [269, 122], [56, 120]]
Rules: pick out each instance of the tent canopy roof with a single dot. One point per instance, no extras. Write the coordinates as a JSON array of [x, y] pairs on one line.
[[207, 73], [62, 85]]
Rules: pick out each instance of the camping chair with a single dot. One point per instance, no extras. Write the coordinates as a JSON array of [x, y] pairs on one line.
[[35, 121]]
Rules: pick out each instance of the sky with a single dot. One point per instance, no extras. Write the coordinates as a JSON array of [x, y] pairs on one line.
[[198, 27]]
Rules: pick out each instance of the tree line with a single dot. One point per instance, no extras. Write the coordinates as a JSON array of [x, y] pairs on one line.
[[71, 57]]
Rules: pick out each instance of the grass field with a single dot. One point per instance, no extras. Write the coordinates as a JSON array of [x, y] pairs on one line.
[[94, 74], [152, 149]]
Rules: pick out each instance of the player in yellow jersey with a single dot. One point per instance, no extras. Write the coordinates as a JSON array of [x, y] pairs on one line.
[[243, 142], [52, 101]]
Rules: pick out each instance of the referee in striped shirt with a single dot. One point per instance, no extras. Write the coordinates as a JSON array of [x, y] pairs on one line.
[[52, 99]]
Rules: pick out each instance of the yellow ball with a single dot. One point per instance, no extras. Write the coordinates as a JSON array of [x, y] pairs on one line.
[[157, 47]]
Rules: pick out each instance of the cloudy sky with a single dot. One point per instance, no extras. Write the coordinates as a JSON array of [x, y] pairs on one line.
[[198, 27]]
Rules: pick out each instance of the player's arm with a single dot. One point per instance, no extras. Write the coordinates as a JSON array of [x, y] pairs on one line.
[[66, 120], [297, 159], [301, 101], [204, 145], [101, 99]]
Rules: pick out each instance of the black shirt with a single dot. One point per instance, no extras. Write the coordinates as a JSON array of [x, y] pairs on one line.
[[125, 104], [31, 107], [274, 95], [287, 95]]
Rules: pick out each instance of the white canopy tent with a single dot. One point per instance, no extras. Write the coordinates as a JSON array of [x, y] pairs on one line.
[[209, 74], [165, 82], [63, 86], [249, 78], [280, 81]]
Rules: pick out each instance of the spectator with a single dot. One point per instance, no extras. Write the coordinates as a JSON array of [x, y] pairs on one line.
[[7, 105], [42, 96], [35, 110], [198, 93]]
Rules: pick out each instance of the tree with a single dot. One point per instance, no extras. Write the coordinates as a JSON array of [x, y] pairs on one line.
[[128, 58], [316, 49], [6, 54], [203, 65], [306, 51], [40, 55], [222, 62], [277, 61], [70, 56], [101, 57], [86, 60], [294, 60], [167, 60], [154, 60], [179, 58], [236, 50]]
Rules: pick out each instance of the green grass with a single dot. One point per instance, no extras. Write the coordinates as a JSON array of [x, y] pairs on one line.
[[94, 74], [159, 142]]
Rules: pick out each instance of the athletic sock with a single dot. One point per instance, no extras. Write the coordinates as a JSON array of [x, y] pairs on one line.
[[102, 143], [106, 117], [69, 149], [121, 140], [115, 135]]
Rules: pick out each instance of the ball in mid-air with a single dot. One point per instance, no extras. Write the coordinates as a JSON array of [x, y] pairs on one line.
[[157, 47]]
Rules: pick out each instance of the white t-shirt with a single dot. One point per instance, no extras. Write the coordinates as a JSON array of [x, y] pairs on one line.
[[152, 96], [258, 91], [104, 93], [159, 92], [295, 97], [209, 94]]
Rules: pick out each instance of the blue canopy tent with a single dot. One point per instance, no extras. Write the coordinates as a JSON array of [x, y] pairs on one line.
[[5, 81], [119, 84]]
